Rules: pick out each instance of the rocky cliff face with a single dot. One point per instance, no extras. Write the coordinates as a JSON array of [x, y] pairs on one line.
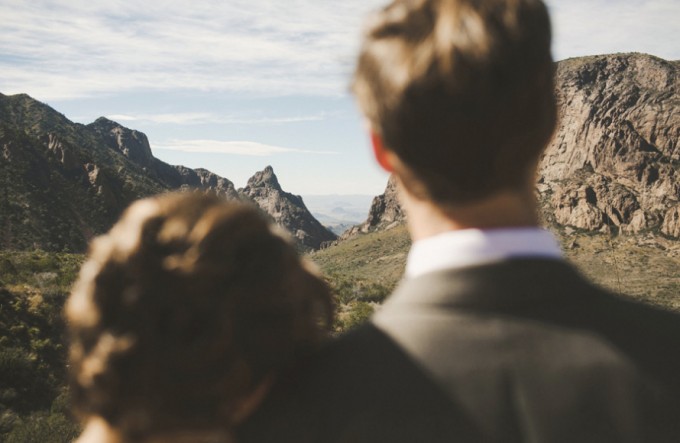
[[286, 209], [615, 160], [132, 144], [62, 183], [614, 163], [385, 212]]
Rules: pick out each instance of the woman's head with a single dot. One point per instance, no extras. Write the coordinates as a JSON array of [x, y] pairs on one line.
[[183, 310]]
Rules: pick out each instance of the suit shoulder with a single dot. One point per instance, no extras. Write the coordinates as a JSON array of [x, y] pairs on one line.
[[341, 396]]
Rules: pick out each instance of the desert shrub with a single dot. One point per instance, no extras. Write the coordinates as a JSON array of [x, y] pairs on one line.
[[7, 268], [42, 428], [358, 313], [347, 290], [32, 366], [44, 271], [25, 384], [42, 262], [374, 292]]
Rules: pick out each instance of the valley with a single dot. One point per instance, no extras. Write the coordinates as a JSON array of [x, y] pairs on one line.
[[608, 187]]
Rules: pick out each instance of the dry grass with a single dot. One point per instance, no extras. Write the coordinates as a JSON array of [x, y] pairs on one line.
[[378, 257], [644, 267]]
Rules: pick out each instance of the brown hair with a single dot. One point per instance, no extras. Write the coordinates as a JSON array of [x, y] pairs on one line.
[[183, 309], [461, 90]]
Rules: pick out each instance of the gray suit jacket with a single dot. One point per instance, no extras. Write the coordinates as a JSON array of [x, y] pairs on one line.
[[519, 351]]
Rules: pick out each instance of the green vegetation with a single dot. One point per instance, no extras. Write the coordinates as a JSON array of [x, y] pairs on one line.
[[355, 299], [378, 257], [353, 314], [347, 289], [33, 396], [644, 267], [363, 271]]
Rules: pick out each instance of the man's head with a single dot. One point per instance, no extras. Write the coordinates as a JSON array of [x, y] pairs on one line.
[[461, 91]]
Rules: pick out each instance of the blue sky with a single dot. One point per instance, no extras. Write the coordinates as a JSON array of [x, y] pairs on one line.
[[235, 85]]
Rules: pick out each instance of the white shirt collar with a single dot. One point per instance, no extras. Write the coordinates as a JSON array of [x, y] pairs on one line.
[[470, 247]]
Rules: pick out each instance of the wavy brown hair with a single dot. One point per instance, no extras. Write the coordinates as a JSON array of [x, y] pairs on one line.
[[182, 310]]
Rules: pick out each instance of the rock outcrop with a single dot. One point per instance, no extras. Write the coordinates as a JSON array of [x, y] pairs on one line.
[[134, 145], [286, 209], [207, 181], [385, 212], [129, 142], [614, 162]]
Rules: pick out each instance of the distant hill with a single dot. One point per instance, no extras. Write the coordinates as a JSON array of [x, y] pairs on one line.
[[339, 212], [61, 182], [614, 162], [645, 267]]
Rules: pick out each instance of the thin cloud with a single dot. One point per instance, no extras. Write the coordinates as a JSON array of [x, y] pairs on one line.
[[245, 148], [71, 49], [590, 27], [122, 118], [200, 118]]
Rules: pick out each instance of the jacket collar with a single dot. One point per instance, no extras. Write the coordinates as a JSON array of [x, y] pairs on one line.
[[506, 283]]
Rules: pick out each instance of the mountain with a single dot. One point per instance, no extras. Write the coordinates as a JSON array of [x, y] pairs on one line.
[[385, 212], [614, 163], [134, 145], [288, 210], [61, 182]]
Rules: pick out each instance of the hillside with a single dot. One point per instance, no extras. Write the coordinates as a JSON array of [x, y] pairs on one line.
[[34, 405], [63, 182], [644, 267]]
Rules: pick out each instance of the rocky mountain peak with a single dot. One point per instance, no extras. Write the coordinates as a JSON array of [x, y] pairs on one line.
[[385, 212], [264, 179], [183, 177], [286, 209]]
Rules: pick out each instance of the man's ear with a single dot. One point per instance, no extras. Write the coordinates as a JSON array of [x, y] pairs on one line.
[[383, 156]]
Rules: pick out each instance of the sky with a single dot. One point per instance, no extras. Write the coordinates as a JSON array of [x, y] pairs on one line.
[[235, 85]]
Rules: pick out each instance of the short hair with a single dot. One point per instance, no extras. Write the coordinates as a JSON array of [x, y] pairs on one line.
[[461, 90], [183, 309]]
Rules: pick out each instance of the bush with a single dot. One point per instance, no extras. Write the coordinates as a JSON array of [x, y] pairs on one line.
[[347, 290], [359, 313], [43, 428], [7, 268], [32, 365]]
